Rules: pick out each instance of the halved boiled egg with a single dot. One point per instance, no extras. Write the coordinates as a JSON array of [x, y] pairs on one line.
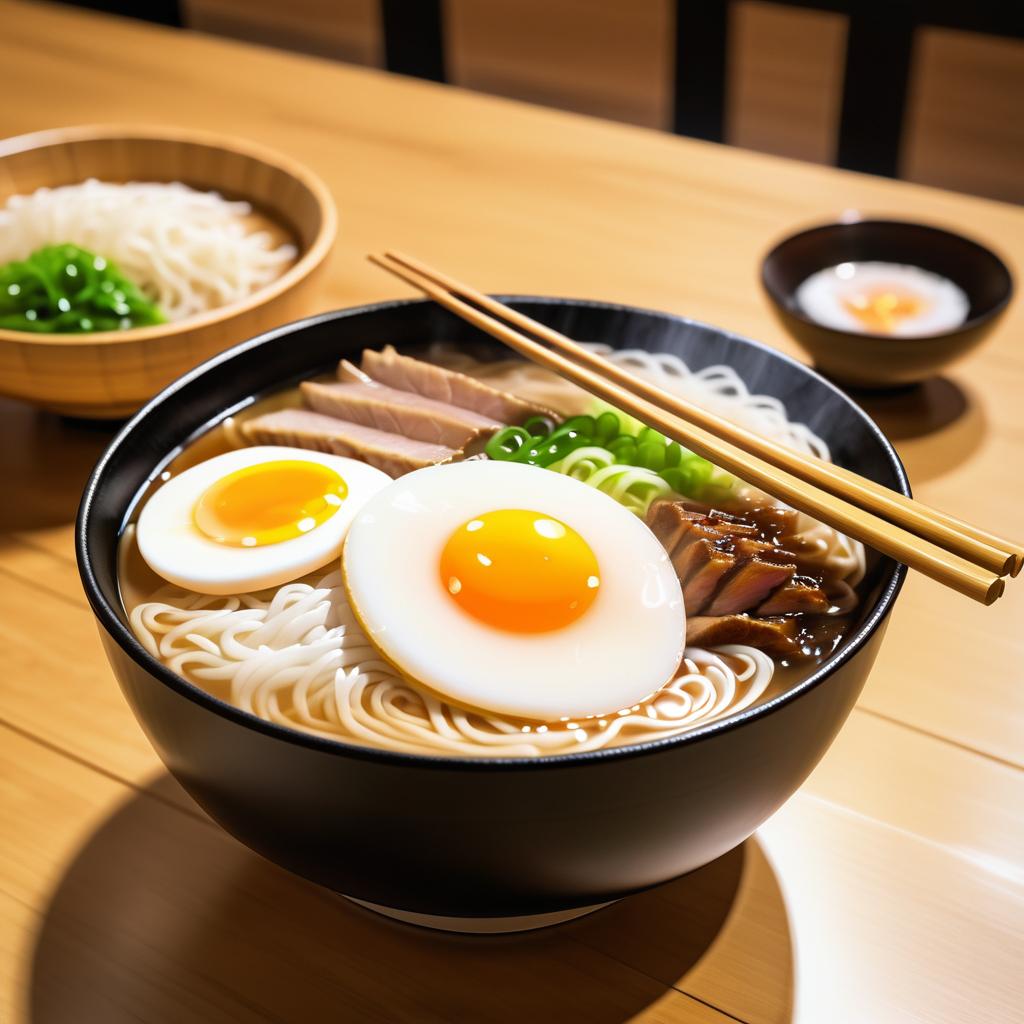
[[510, 589], [253, 518]]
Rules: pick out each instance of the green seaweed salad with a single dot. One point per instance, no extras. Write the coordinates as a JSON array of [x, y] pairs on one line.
[[63, 289], [615, 453]]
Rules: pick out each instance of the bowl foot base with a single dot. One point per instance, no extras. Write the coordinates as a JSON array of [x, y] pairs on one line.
[[480, 925]]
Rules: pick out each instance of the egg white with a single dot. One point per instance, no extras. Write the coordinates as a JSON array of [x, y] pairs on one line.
[[821, 297], [175, 548], [627, 645]]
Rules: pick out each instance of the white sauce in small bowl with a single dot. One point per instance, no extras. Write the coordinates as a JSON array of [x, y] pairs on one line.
[[883, 298]]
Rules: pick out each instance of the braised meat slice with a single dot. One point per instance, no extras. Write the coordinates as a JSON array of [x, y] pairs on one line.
[[749, 585], [800, 594], [392, 453], [749, 547], [669, 520], [398, 412], [408, 374], [772, 522], [773, 636], [730, 563], [701, 567], [349, 373]]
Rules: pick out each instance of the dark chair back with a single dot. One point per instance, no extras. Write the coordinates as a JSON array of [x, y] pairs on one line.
[[879, 59], [413, 33]]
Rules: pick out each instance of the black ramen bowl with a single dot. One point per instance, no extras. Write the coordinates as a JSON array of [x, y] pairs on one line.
[[882, 361], [454, 841]]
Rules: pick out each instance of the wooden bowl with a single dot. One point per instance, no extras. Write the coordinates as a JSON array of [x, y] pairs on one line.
[[111, 373], [882, 361]]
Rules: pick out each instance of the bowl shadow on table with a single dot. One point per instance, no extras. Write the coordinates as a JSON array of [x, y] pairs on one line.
[[45, 461], [937, 424], [162, 917]]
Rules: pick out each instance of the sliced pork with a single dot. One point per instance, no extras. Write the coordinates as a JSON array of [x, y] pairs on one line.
[[408, 374], [392, 453], [398, 412], [349, 373]]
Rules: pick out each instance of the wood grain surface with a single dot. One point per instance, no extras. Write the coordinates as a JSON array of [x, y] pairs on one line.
[[889, 889]]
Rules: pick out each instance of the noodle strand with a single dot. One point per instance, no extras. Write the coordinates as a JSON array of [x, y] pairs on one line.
[[299, 659]]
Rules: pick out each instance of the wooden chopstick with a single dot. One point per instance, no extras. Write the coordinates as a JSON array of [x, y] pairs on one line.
[[888, 538], [976, 545]]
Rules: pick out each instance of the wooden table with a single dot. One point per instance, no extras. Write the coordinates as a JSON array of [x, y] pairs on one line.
[[888, 889]]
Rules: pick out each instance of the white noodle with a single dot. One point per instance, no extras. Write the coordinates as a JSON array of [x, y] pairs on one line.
[[189, 251], [298, 658]]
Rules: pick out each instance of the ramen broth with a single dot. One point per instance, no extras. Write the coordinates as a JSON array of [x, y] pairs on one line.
[[817, 639]]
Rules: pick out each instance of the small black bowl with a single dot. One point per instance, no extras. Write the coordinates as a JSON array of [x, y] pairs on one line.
[[460, 842], [881, 361]]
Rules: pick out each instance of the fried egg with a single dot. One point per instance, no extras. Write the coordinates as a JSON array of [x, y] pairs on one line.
[[509, 589], [253, 518], [883, 298]]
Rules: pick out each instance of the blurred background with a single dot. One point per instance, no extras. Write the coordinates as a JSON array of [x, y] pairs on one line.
[[927, 90]]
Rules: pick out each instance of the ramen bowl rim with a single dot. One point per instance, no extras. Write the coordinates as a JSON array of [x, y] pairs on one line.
[[110, 620]]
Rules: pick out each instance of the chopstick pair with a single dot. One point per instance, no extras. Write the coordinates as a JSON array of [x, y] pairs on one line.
[[957, 554]]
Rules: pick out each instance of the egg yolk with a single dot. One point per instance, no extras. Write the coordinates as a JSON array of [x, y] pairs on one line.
[[881, 309], [520, 571], [269, 502]]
